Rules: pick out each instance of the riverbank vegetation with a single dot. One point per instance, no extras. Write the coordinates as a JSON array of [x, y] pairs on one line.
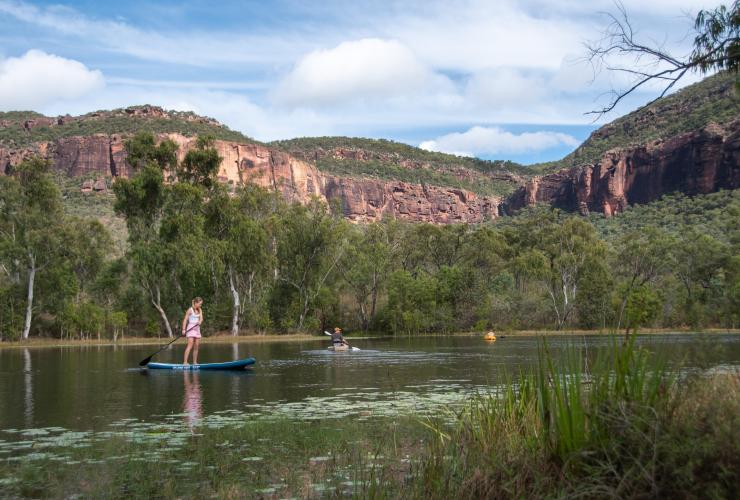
[[266, 266], [612, 423]]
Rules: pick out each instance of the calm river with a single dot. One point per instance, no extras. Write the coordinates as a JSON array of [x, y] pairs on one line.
[[94, 388]]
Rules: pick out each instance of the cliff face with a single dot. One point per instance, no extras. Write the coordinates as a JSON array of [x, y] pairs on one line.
[[361, 199], [702, 161]]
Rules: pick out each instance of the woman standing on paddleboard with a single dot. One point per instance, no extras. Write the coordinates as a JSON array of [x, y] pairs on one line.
[[191, 329]]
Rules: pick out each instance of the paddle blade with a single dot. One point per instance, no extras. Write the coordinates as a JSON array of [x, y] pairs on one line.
[[145, 361]]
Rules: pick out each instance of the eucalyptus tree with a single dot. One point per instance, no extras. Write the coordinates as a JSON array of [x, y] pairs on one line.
[[701, 266], [640, 257], [240, 230], [367, 263], [31, 220], [166, 220], [140, 201], [310, 244]]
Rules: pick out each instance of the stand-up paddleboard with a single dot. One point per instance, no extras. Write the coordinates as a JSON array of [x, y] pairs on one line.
[[239, 364]]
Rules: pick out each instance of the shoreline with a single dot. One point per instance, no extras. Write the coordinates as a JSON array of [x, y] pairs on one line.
[[302, 337]]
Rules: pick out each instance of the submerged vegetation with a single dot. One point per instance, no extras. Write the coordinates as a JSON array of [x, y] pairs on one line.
[[615, 423], [265, 266]]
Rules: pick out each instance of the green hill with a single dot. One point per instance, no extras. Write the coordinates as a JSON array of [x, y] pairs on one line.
[[713, 99], [22, 128], [384, 159]]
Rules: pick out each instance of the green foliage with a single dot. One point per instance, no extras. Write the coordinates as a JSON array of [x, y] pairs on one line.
[[717, 45], [643, 306], [200, 164], [143, 150], [714, 214]]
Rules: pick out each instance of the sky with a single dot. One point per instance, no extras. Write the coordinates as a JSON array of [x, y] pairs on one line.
[[497, 79]]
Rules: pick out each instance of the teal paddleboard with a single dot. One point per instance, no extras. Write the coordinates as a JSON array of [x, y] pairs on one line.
[[239, 364]]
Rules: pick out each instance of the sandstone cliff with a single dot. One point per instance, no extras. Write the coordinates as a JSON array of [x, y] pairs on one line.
[[702, 161], [103, 155]]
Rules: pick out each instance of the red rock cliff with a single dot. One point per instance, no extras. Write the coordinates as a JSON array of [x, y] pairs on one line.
[[702, 161], [297, 180]]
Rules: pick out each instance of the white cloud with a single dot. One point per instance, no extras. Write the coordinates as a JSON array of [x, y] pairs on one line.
[[346, 68], [475, 35], [506, 87], [36, 79], [478, 141], [364, 69], [192, 47]]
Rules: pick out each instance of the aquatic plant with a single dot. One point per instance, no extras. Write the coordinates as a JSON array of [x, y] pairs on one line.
[[620, 427]]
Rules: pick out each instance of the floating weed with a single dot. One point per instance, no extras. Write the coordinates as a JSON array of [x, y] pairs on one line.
[[34, 432]]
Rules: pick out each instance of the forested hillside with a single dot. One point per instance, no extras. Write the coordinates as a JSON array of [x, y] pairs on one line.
[[266, 266], [712, 100]]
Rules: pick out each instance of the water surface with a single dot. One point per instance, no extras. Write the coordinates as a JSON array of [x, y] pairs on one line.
[[97, 388]]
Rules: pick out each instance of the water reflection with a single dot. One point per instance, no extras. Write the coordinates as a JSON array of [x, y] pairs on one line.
[[84, 388], [28, 385], [193, 402]]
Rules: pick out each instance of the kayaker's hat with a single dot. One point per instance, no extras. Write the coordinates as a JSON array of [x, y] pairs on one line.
[[337, 329]]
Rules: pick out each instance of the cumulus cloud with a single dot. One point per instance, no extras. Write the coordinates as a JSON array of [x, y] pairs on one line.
[[481, 141], [37, 78], [364, 69]]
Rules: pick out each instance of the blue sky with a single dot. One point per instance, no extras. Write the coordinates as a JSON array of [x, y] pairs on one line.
[[497, 79]]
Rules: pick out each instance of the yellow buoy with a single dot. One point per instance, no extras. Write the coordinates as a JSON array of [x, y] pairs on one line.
[[490, 336]]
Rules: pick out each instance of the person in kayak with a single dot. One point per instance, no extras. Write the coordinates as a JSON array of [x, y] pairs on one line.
[[337, 339], [191, 329]]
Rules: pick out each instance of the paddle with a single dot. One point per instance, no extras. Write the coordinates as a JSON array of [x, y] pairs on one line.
[[351, 347], [146, 361]]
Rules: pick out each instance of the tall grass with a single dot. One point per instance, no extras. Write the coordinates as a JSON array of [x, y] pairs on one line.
[[620, 427]]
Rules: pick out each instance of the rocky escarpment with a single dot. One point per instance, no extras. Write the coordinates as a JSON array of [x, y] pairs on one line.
[[104, 155], [702, 161], [359, 154]]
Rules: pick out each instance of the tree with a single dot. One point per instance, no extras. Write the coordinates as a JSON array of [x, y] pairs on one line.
[[167, 239], [716, 47], [200, 165], [239, 227], [561, 261], [643, 306], [640, 257], [310, 245], [31, 221], [119, 321], [366, 265], [700, 266]]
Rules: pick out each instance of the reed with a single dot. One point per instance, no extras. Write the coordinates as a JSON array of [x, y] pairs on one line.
[[622, 426]]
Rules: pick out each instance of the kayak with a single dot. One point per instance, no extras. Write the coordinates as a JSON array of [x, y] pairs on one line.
[[239, 364], [338, 348]]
